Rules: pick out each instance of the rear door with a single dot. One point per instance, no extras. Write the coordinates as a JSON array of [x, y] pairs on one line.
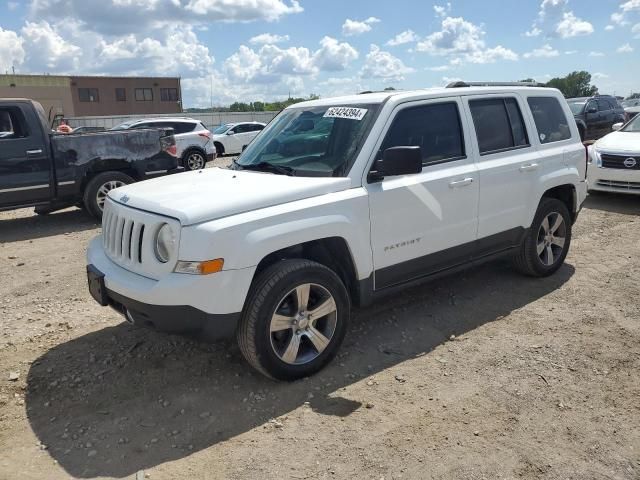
[[508, 167], [605, 109], [25, 168]]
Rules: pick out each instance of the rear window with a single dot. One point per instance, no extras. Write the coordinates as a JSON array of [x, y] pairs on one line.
[[182, 127], [499, 125], [550, 120]]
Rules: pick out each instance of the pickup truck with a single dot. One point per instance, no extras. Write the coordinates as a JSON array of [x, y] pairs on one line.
[[49, 171], [372, 193]]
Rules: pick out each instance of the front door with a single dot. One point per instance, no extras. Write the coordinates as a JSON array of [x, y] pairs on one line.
[[426, 222], [24, 163]]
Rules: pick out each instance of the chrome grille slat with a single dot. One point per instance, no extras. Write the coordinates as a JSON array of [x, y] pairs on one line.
[[118, 236], [126, 239], [619, 184]]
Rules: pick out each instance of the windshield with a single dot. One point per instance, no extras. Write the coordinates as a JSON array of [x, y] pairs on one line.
[[633, 125], [313, 141], [576, 107], [221, 129]]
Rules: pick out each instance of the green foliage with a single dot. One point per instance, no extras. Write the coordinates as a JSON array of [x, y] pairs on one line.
[[576, 84], [255, 106], [632, 96]]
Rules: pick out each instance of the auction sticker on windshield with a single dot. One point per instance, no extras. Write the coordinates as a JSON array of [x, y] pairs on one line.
[[346, 112]]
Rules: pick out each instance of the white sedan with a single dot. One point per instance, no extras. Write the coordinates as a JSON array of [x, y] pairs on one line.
[[614, 160], [231, 138]]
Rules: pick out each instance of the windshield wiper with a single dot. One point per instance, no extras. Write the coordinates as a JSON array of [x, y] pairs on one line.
[[268, 167]]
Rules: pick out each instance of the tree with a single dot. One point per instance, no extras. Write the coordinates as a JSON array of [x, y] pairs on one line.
[[389, 88], [632, 96], [576, 84]]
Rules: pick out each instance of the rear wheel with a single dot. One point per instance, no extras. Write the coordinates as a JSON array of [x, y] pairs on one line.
[[219, 149], [295, 319], [547, 243], [96, 191], [194, 160]]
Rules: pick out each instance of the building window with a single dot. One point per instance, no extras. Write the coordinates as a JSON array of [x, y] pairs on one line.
[[121, 95], [88, 94], [169, 94], [144, 95]]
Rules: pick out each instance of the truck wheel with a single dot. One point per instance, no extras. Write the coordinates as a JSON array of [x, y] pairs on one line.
[[95, 193], [294, 320], [194, 160], [547, 243]]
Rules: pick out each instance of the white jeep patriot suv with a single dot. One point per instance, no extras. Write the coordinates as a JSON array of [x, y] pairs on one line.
[[336, 202]]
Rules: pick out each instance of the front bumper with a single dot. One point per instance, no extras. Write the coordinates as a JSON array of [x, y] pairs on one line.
[[176, 302], [614, 180]]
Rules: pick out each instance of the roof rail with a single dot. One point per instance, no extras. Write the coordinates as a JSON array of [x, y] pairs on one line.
[[460, 84]]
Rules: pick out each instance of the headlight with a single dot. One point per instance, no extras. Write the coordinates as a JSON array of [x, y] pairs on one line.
[[200, 268], [597, 157], [165, 243]]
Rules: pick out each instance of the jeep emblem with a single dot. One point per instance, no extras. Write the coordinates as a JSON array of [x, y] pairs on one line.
[[630, 162], [124, 199]]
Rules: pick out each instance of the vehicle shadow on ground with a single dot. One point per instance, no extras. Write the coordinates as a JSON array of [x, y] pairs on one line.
[[40, 226], [614, 202], [123, 399]]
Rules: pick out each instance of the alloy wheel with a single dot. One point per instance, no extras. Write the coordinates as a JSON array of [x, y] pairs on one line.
[[551, 238], [195, 161], [104, 190], [303, 324]]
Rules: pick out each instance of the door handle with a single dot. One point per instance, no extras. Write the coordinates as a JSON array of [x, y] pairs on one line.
[[34, 152], [529, 167], [461, 183]]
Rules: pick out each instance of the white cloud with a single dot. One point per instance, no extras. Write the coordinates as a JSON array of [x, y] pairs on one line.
[[572, 26], [570, 52], [626, 48], [461, 38], [355, 27], [599, 75], [442, 10], [383, 65], [47, 50], [608, 28], [439, 68], [268, 38], [333, 55], [243, 10], [596, 54], [546, 51], [636, 30], [408, 36], [11, 50], [556, 20]]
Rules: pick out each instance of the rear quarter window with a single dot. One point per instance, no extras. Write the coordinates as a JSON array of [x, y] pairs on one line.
[[551, 122]]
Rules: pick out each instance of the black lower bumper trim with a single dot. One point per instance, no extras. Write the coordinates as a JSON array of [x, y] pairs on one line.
[[174, 318]]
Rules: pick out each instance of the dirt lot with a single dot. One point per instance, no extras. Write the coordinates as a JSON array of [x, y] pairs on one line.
[[483, 375]]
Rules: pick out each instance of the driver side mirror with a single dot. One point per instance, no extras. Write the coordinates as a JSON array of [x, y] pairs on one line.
[[616, 126], [230, 132], [397, 161]]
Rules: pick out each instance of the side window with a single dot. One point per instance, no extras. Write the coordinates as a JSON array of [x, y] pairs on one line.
[[12, 124], [256, 128], [591, 105], [242, 128], [603, 106], [435, 128], [549, 118], [499, 125], [183, 127]]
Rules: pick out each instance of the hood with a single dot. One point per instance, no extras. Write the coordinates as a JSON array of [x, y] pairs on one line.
[[620, 142], [212, 193]]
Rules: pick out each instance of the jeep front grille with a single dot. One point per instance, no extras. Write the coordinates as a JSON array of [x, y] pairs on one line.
[[122, 237]]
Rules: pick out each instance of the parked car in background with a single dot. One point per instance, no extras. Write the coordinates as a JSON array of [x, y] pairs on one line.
[[632, 102], [193, 140], [88, 129], [595, 115], [50, 171], [231, 138], [382, 190], [614, 160], [631, 112]]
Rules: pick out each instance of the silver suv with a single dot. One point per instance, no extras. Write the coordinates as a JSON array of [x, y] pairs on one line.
[[193, 140]]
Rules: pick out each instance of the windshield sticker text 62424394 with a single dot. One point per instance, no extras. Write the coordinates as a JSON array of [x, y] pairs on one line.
[[346, 112]]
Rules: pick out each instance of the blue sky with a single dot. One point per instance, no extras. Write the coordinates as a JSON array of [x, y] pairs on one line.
[[265, 49]]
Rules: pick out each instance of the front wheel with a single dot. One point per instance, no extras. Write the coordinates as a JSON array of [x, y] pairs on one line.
[[547, 243], [96, 191], [295, 319]]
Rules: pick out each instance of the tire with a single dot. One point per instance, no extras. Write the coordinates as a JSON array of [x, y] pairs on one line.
[[194, 160], [543, 251], [219, 149], [96, 190], [276, 346]]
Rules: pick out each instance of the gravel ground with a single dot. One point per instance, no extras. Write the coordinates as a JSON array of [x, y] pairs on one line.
[[485, 374]]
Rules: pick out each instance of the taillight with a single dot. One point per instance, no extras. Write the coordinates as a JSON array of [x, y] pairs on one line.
[[206, 134], [168, 144]]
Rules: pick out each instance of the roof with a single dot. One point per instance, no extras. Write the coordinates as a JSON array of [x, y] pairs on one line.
[[162, 119], [405, 95]]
